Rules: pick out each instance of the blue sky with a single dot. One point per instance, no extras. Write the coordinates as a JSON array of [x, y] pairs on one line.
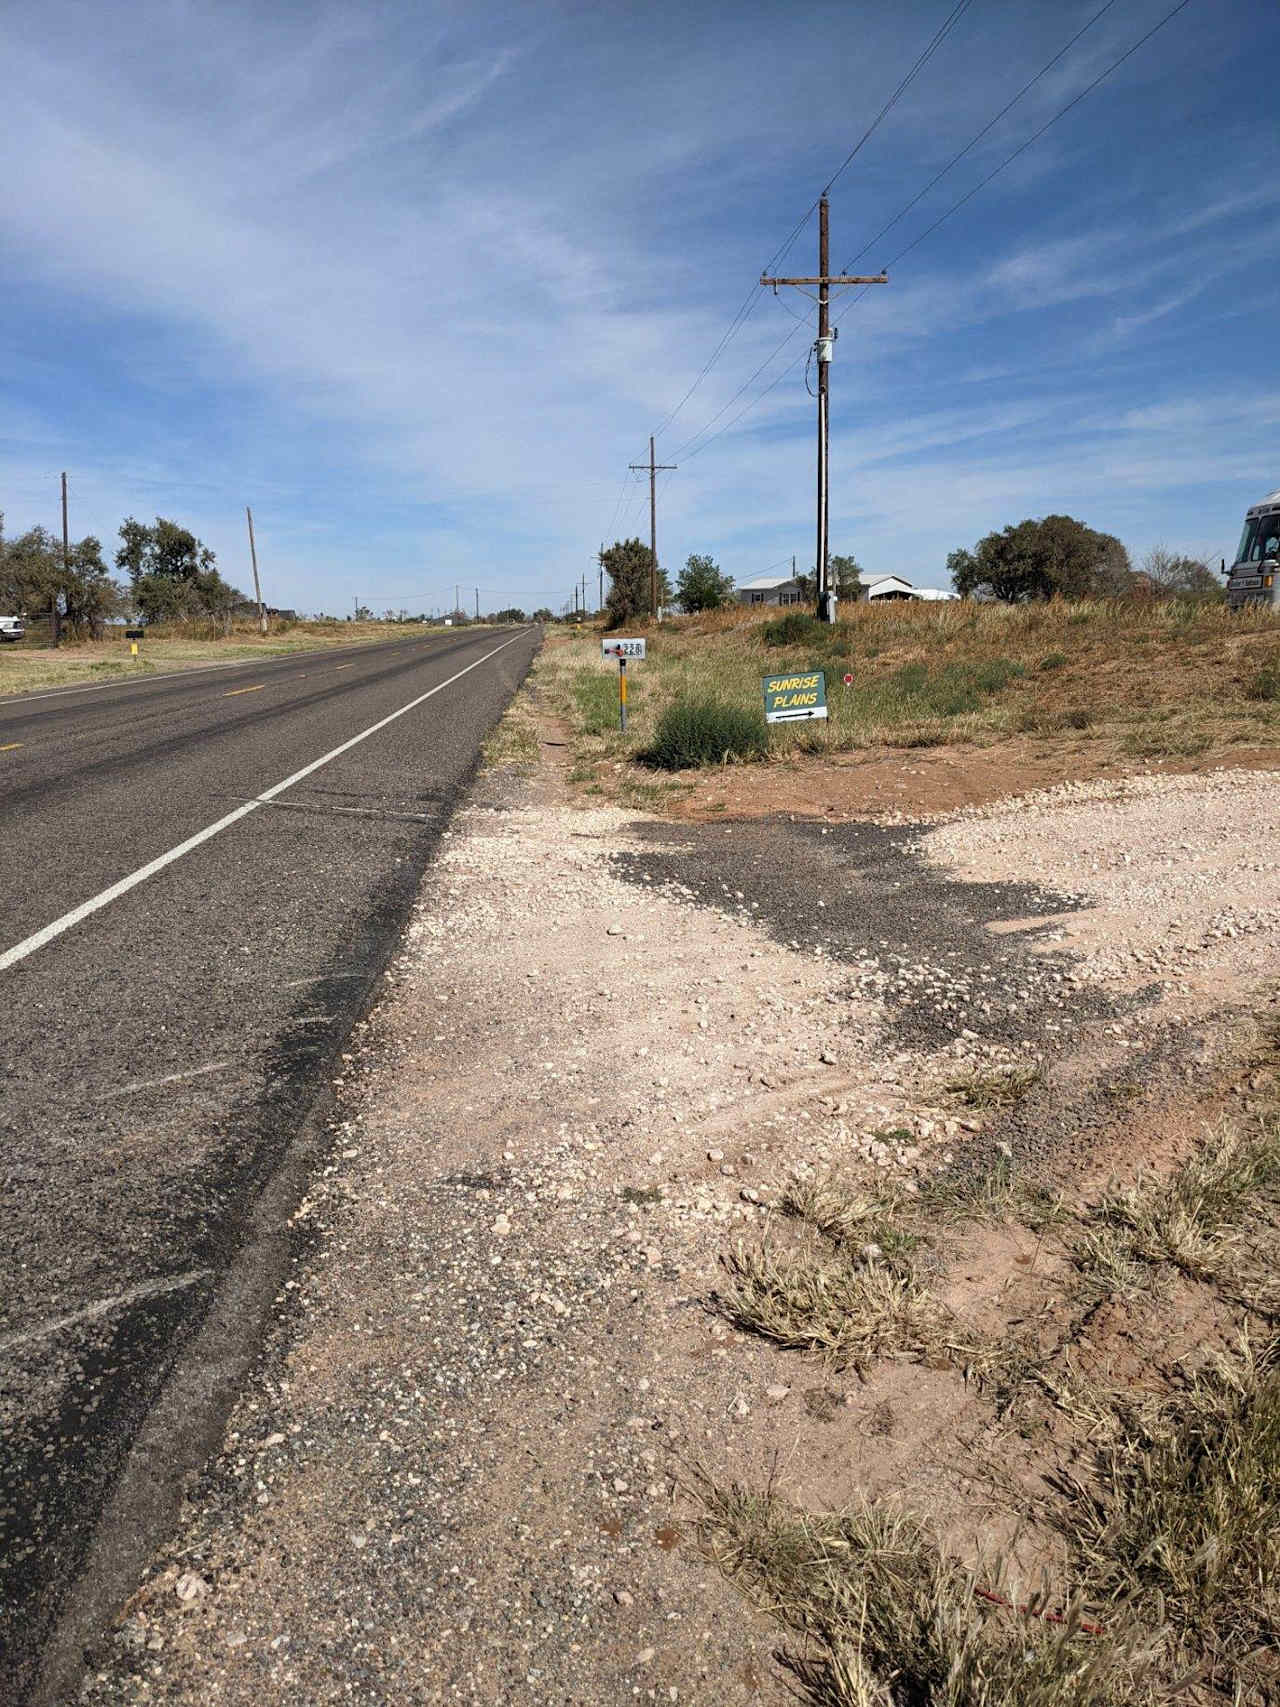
[[417, 281]]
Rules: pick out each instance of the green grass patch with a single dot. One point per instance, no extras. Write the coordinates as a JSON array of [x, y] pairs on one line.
[[596, 700]]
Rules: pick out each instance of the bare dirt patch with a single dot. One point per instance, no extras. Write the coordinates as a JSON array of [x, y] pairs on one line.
[[923, 783]]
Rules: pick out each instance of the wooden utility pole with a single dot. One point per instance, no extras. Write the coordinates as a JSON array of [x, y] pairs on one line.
[[600, 562], [253, 557], [477, 604], [55, 626], [655, 468], [822, 349]]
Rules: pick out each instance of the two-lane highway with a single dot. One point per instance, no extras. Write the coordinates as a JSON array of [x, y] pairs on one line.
[[203, 879]]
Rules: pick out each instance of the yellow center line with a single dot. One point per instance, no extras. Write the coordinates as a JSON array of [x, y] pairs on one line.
[[10, 747], [235, 691], [338, 667]]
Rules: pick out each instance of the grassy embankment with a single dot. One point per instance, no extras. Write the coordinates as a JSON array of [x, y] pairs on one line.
[[27, 667], [1162, 681]]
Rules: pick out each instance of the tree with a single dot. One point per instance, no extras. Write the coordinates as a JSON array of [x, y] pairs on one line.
[[1174, 577], [542, 614], [701, 585], [34, 578], [89, 595], [512, 613], [846, 576], [174, 575], [628, 564], [1057, 556]]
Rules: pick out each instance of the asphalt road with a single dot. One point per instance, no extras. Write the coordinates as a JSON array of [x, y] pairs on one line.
[[168, 1037]]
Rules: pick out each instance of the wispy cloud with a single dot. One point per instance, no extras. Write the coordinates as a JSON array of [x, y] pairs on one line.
[[423, 281]]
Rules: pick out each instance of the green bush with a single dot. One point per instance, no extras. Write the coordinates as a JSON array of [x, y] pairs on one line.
[[1054, 661], [794, 629], [694, 732]]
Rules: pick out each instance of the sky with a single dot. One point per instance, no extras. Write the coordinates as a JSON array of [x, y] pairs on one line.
[[417, 281]]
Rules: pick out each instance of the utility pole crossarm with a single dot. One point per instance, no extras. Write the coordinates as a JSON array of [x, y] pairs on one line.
[[834, 279]]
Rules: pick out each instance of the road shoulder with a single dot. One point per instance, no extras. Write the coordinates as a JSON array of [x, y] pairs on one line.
[[463, 1470]]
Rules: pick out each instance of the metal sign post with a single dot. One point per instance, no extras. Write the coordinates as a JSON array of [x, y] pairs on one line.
[[622, 650]]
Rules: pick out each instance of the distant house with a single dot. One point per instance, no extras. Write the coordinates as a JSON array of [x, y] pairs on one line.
[[894, 587], [771, 590]]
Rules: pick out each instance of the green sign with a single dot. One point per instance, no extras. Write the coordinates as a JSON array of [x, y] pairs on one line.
[[787, 699]]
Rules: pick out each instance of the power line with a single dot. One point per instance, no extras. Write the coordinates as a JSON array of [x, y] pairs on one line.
[[1036, 135], [944, 30], [686, 452], [978, 136], [749, 302]]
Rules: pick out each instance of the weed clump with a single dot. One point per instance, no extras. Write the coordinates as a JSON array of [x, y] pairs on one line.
[[694, 732], [1189, 1221], [1180, 1515], [1054, 661], [1266, 684], [888, 1620]]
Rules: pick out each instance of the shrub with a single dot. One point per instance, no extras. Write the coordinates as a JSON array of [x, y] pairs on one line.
[[995, 674], [694, 732], [794, 629], [1054, 661]]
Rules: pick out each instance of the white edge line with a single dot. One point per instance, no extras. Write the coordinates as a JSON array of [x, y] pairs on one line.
[[105, 1307], [168, 1079], [104, 898]]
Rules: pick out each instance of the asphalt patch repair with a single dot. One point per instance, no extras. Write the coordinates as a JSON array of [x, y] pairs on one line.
[[863, 895]]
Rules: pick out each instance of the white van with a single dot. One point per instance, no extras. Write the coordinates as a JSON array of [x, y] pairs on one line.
[[12, 628]]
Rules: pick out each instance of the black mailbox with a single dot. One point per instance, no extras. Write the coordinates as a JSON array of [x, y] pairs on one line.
[[134, 633]]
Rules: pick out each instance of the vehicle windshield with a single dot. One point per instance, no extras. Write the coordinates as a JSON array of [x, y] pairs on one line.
[[1260, 539]]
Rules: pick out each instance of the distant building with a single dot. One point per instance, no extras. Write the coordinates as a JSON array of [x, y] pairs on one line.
[[771, 590], [894, 587]]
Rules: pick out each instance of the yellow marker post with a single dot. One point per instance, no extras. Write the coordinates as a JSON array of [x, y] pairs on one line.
[[622, 694], [133, 648]]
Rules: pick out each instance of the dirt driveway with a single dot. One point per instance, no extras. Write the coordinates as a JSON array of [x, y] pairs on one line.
[[463, 1470]]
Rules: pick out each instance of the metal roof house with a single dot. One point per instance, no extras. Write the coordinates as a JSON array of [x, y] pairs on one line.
[[770, 590], [894, 587]]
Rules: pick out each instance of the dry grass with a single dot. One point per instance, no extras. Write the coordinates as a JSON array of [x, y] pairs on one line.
[[1179, 1514], [1158, 681], [852, 1310], [885, 1619], [994, 1087], [1198, 1219]]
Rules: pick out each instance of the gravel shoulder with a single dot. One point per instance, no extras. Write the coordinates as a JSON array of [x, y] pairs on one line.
[[460, 1471]]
